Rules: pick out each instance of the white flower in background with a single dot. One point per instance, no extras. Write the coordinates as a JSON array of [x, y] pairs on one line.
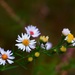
[[24, 43], [32, 31], [6, 56], [73, 42], [47, 46], [65, 31]]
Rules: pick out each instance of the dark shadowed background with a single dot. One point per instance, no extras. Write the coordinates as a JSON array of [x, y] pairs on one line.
[[50, 16]]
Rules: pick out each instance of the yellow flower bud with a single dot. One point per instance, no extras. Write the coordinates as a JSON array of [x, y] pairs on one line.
[[30, 59], [37, 54], [63, 49], [44, 38]]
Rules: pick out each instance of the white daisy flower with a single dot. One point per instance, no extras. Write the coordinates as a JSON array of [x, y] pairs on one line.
[[6, 56], [65, 31], [47, 46], [33, 31], [24, 43]]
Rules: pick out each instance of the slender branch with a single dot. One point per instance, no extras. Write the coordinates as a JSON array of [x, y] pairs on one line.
[[11, 12]]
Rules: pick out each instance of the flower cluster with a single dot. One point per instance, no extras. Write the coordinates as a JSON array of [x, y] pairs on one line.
[[68, 40], [27, 41], [69, 36], [30, 48]]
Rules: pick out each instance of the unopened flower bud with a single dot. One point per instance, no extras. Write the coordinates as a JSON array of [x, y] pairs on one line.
[[37, 54], [63, 49], [30, 59]]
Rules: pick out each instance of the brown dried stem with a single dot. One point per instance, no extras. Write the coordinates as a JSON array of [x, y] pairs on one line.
[[11, 12]]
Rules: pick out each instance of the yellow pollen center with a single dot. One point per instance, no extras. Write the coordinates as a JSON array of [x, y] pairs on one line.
[[70, 38], [25, 42], [4, 57]]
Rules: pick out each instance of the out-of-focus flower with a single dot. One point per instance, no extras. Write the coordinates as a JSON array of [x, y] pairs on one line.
[[73, 42], [63, 49], [24, 43], [32, 31], [6, 56], [37, 54], [69, 38], [46, 46], [44, 38], [65, 31], [30, 59]]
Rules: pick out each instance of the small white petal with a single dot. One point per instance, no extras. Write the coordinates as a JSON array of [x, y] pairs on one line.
[[24, 48], [32, 46], [65, 31], [2, 62], [10, 61], [2, 51], [11, 57], [28, 49], [20, 46], [42, 46], [48, 45], [19, 38]]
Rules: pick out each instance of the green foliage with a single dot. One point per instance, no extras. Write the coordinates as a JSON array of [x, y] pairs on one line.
[[45, 68]]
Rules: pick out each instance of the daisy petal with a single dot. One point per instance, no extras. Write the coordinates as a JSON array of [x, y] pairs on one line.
[[10, 61]]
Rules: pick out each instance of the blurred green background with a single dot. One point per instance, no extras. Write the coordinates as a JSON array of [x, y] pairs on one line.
[[50, 16]]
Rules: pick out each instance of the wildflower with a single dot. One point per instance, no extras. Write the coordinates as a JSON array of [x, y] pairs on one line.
[[69, 38], [6, 56], [73, 42], [37, 54], [24, 43], [32, 31], [44, 38], [46, 46], [65, 31], [63, 49], [30, 59]]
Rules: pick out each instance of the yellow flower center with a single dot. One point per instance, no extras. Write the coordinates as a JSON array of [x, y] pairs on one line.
[[4, 57], [70, 38], [63, 49], [30, 59], [37, 54], [25, 42]]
